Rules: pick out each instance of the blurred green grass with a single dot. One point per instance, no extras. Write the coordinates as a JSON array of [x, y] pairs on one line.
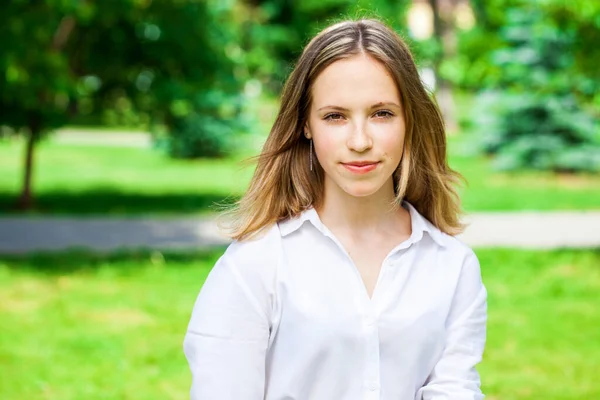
[[83, 326], [84, 179], [489, 190], [544, 313]]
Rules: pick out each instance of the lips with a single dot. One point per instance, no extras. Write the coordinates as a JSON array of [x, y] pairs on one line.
[[361, 167], [361, 163]]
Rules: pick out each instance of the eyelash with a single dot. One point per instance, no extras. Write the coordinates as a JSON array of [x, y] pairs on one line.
[[388, 113]]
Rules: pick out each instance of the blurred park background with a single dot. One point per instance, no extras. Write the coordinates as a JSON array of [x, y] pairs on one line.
[[143, 110]]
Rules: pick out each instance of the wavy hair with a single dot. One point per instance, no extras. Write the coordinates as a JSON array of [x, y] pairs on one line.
[[283, 184]]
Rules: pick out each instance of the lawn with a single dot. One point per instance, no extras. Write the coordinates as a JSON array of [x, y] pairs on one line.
[[77, 326], [489, 190], [80, 179]]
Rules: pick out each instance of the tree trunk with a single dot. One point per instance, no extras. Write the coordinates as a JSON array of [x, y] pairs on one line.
[[25, 201], [444, 31], [60, 38]]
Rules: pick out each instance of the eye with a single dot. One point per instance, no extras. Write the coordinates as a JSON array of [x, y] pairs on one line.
[[384, 114], [333, 117]]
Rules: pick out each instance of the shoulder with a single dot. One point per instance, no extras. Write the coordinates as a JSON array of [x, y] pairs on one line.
[[451, 247], [455, 245], [258, 247], [456, 250], [467, 267], [256, 256]]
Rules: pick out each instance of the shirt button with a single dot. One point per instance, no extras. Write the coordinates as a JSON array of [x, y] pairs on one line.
[[373, 386]]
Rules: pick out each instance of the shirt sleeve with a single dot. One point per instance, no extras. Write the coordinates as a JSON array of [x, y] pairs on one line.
[[227, 337], [454, 377]]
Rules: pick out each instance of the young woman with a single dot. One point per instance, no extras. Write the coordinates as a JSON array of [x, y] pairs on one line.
[[344, 280]]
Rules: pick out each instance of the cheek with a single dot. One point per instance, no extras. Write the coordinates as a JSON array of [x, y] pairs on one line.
[[326, 147], [393, 146]]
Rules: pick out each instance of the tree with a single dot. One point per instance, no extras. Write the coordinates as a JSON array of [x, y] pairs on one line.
[[175, 61], [277, 30], [37, 86], [444, 30], [536, 111], [473, 64]]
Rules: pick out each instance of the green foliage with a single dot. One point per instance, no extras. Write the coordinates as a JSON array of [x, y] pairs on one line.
[[181, 68], [35, 81], [534, 113], [210, 133], [581, 21], [474, 66], [276, 31], [172, 63], [546, 132]]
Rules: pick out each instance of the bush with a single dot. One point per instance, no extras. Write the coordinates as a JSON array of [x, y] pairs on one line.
[[531, 117], [536, 131], [206, 126], [202, 135]]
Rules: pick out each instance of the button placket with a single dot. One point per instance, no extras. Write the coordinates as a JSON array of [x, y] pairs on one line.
[[372, 391], [370, 322], [372, 371]]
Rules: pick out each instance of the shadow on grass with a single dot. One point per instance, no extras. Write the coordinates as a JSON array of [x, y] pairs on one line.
[[127, 262], [108, 201]]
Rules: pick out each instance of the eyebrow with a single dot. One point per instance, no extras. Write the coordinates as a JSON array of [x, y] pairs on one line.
[[388, 103]]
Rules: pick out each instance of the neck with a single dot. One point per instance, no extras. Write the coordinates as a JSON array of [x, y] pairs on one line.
[[341, 211]]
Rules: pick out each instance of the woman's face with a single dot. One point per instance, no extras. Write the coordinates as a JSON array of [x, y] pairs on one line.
[[357, 125]]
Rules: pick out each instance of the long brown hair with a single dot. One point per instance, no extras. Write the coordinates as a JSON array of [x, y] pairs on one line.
[[283, 184]]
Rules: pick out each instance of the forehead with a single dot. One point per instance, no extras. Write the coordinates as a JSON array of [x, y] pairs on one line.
[[355, 80]]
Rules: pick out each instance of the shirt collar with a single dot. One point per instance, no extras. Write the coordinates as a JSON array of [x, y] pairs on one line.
[[419, 224]]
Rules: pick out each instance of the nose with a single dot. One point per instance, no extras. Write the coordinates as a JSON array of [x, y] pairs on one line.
[[359, 139]]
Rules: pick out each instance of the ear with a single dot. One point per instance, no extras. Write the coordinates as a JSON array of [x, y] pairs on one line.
[[307, 132]]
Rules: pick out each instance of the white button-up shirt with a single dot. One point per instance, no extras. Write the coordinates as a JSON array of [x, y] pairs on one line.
[[287, 317]]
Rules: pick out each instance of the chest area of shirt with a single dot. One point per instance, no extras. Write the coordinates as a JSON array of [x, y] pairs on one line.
[[368, 259], [319, 272], [323, 295], [367, 255]]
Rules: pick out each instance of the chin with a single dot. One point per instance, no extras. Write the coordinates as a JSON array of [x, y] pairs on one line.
[[361, 189]]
